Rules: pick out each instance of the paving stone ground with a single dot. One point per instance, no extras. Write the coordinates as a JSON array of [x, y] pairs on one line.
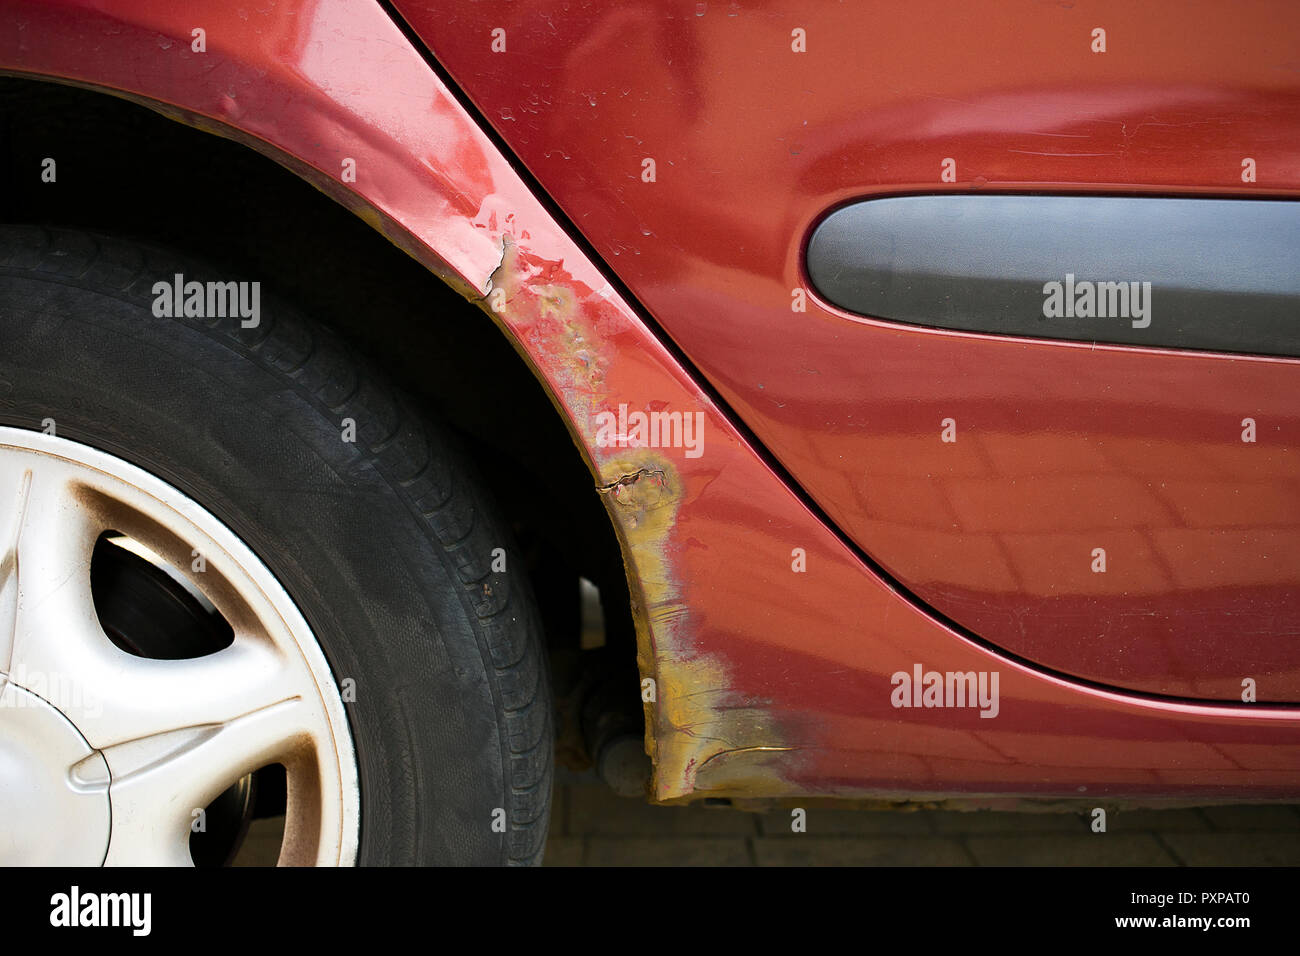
[[591, 826]]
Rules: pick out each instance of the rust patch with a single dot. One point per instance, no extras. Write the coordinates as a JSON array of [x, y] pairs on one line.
[[540, 306], [704, 740], [701, 738], [641, 493]]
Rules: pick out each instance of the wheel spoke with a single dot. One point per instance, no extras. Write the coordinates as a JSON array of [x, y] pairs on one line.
[[161, 782], [46, 586], [175, 734], [134, 698], [14, 484]]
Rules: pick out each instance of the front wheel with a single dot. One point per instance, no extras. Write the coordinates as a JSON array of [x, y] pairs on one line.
[[236, 569]]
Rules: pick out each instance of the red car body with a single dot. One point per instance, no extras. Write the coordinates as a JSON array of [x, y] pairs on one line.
[[824, 539]]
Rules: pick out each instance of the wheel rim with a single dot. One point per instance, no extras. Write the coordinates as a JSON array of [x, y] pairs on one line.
[[141, 744]]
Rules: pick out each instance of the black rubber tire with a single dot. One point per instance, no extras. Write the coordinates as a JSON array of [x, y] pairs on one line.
[[386, 544]]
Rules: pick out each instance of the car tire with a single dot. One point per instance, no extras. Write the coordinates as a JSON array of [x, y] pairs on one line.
[[362, 509]]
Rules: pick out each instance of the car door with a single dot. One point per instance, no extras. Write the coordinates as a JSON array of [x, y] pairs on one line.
[[1008, 289]]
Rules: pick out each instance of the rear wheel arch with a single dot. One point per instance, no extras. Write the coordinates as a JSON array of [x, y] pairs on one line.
[[127, 168]]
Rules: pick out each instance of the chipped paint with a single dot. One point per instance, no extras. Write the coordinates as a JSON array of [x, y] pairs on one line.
[[641, 492], [703, 739], [700, 737]]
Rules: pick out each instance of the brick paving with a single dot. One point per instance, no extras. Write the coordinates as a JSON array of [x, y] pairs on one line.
[[591, 826]]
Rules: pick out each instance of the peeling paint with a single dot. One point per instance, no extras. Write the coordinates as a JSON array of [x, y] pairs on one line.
[[703, 739]]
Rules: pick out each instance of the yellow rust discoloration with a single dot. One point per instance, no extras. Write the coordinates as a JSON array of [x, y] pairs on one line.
[[693, 722], [544, 318], [703, 740], [555, 301], [701, 736], [641, 493], [714, 745]]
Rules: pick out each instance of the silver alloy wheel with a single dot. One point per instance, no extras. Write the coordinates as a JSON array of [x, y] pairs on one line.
[[104, 755]]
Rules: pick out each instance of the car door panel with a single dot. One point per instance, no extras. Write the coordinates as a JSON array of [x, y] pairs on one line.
[[1127, 514]]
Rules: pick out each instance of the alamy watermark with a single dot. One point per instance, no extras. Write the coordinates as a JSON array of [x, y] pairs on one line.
[[1085, 299], [923, 688], [64, 692], [129, 910], [208, 300], [638, 429]]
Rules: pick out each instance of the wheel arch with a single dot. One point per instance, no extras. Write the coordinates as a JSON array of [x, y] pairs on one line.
[[316, 83]]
